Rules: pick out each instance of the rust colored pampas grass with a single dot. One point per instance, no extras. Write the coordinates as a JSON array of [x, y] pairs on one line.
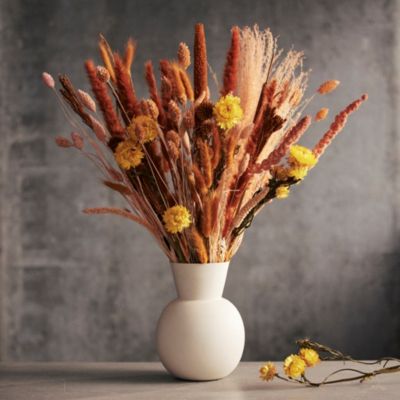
[[195, 172]]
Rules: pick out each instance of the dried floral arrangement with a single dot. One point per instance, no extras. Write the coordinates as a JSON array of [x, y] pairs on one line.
[[193, 171], [312, 353]]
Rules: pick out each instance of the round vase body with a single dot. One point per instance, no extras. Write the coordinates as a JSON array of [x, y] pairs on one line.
[[200, 335]]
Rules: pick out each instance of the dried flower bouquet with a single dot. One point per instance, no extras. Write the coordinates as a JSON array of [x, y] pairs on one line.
[[194, 171]]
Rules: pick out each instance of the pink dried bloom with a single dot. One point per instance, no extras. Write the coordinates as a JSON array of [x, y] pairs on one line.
[[98, 130], [63, 142], [48, 80], [77, 140], [87, 100]]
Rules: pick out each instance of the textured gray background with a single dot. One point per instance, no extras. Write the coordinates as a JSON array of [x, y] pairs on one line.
[[323, 263]]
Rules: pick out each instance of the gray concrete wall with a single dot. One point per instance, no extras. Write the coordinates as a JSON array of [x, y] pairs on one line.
[[324, 263]]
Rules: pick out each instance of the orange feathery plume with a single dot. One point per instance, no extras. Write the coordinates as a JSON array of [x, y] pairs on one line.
[[198, 245], [232, 63], [186, 83], [151, 82], [206, 221], [107, 57], [129, 56], [106, 105], [200, 61], [126, 90]]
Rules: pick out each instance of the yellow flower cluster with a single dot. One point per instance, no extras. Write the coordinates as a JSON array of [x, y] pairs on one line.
[[227, 111], [293, 366], [176, 219], [128, 155], [143, 129], [301, 159]]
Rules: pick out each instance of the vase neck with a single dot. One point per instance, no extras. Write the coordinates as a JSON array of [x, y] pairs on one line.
[[199, 281]]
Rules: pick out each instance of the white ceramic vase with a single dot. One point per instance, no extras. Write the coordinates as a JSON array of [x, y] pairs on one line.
[[200, 335]]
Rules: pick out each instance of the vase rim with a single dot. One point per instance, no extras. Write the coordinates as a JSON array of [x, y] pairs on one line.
[[199, 281]]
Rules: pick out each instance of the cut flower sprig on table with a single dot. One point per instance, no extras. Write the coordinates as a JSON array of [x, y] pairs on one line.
[[312, 353], [196, 167]]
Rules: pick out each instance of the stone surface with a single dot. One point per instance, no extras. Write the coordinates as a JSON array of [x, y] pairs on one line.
[[324, 263], [118, 381]]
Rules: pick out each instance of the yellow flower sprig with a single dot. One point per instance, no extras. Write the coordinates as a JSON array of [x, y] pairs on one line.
[[300, 161], [295, 366]]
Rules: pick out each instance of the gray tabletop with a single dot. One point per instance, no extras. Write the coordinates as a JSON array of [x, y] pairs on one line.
[[42, 381]]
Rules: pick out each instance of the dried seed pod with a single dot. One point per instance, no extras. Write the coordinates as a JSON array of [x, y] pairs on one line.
[[174, 137], [98, 130], [321, 114], [102, 74], [48, 80], [173, 150], [183, 55], [152, 109], [174, 112], [328, 86], [61, 141], [87, 100], [77, 140]]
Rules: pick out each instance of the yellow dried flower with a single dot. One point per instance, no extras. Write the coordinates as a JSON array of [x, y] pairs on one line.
[[267, 371], [302, 156], [176, 219], [282, 192], [298, 172], [294, 366], [143, 129], [310, 356], [227, 111], [128, 155]]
